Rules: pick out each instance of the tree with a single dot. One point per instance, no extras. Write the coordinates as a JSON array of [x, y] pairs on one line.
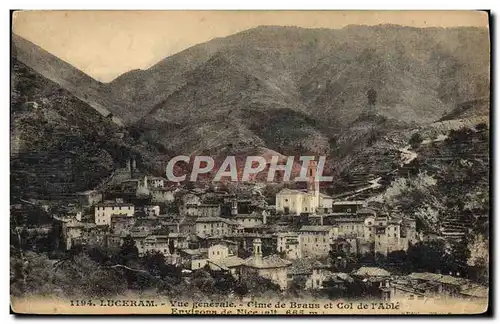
[[371, 95], [203, 281], [481, 127], [415, 140], [154, 263], [398, 257], [297, 285], [128, 251], [257, 285], [427, 256]]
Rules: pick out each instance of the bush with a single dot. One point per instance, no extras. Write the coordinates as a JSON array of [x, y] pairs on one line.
[[415, 140]]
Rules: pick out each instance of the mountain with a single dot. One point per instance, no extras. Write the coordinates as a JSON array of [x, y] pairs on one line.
[[81, 86], [289, 90], [60, 144], [293, 89]]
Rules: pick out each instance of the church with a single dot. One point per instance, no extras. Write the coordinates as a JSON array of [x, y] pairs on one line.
[[296, 202]]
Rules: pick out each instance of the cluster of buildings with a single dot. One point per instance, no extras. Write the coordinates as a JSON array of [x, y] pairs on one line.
[[292, 239]]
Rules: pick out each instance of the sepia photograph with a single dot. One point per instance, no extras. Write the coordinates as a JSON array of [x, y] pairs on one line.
[[250, 162]]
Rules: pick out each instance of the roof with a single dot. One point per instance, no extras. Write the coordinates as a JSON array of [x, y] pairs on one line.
[[287, 234], [319, 265], [371, 272], [214, 220], [366, 211], [349, 220], [424, 276], [286, 191], [229, 242], [218, 246], [87, 192], [177, 235], [301, 266], [450, 280], [315, 228], [339, 277], [114, 204], [270, 261], [444, 279], [194, 252], [75, 224], [229, 262], [252, 215], [475, 290], [349, 202], [156, 238]]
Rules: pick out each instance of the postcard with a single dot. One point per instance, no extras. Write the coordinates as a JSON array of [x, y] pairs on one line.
[[250, 162]]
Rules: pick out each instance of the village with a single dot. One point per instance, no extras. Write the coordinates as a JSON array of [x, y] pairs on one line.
[[305, 236]]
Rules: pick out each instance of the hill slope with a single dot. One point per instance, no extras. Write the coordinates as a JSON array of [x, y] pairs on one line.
[[290, 88], [59, 144], [82, 86]]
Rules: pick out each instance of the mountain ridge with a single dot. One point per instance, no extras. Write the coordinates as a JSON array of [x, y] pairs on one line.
[[291, 89], [80, 84]]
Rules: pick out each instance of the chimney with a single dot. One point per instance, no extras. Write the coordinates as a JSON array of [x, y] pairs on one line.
[[257, 251]]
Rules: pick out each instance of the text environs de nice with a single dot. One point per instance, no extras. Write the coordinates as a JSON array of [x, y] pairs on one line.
[[253, 165]]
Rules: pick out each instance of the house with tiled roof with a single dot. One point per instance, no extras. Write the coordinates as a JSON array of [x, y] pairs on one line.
[[315, 240], [446, 284], [367, 272], [214, 226], [288, 245], [231, 264]]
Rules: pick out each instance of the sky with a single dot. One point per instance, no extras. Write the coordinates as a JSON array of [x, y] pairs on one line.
[[105, 44]]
